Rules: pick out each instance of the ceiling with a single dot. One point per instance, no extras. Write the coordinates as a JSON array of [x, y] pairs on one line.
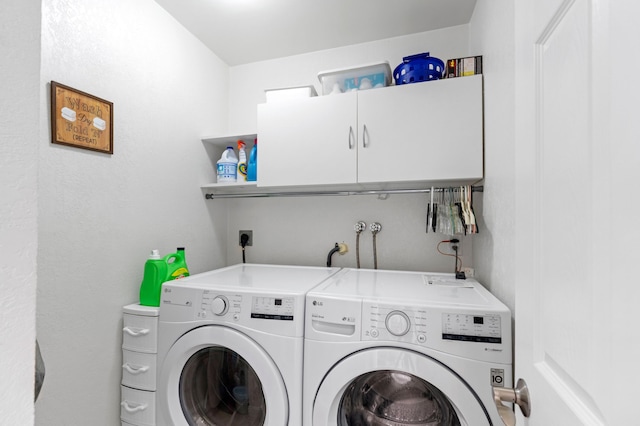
[[245, 31]]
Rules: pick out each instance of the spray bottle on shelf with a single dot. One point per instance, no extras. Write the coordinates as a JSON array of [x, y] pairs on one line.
[[242, 162], [252, 168], [228, 166]]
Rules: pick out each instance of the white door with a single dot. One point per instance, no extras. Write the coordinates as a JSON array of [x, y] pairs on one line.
[[577, 161]]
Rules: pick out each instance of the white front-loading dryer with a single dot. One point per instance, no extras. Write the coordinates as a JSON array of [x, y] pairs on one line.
[[230, 346], [389, 348]]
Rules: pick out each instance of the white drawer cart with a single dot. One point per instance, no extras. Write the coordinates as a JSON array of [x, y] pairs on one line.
[[139, 353]]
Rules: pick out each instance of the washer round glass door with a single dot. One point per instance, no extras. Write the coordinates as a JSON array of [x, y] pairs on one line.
[[395, 387], [218, 376]]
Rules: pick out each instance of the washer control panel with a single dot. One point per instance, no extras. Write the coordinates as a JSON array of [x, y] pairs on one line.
[[280, 314], [394, 323], [273, 308], [216, 305]]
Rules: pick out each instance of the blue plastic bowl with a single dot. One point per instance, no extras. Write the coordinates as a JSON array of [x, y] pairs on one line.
[[417, 68]]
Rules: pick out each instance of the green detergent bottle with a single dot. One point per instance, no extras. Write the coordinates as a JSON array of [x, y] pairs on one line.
[[158, 270], [176, 265]]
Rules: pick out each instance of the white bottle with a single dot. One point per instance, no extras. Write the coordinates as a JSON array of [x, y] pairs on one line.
[[227, 166], [242, 162]]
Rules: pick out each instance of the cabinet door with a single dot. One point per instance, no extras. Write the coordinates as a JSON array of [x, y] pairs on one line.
[[308, 141], [430, 131]]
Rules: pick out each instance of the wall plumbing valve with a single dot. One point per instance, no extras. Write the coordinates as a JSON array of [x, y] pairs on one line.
[[375, 227], [358, 227]]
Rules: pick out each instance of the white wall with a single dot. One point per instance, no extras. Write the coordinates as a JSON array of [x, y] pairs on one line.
[[303, 230], [494, 246], [101, 214], [19, 103]]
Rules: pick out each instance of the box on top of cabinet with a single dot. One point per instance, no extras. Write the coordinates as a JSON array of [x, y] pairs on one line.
[[358, 78], [286, 93]]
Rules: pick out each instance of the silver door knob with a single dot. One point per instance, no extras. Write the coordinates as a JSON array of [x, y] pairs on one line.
[[519, 395]]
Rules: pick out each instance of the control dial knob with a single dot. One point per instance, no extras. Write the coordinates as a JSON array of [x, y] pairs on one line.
[[220, 305], [397, 323]]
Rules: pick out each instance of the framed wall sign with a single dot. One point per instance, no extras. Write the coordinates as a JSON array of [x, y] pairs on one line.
[[81, 120]]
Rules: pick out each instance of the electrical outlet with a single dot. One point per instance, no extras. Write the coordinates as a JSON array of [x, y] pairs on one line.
[[249, 233], [468, 272], [459, 245]]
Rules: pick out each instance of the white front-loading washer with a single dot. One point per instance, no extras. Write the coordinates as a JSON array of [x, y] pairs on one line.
[[389, 348], [230, 346]]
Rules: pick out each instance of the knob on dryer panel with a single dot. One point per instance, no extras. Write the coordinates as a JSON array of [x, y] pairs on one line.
[[398, 323]]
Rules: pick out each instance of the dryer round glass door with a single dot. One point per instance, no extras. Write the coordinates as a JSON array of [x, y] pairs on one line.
[[215, 375], [395, 387], [392, 397]]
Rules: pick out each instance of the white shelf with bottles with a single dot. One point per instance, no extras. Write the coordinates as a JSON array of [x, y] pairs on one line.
[[219, 143], [395, 139]]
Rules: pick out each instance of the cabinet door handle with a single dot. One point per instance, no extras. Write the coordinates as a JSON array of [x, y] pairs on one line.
[[135, 369], [364, 133], [133, 408], [135, 332], [350, 137]]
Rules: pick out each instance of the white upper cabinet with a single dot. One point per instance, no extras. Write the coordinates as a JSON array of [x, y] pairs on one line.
[[394, 137], [309, 141], [430, 131]]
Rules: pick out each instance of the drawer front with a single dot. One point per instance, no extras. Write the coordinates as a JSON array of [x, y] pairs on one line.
[[140, 333], [139, 370], [138, 407]]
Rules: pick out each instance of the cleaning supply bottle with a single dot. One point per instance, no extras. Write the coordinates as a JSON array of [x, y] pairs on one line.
[[242, 162], [252, 167], [155, 272], [159, 270], [228, 166], [176, 265]]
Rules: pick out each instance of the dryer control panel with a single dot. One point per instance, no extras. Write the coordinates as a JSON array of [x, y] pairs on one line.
[[463, 332], [471, 328]]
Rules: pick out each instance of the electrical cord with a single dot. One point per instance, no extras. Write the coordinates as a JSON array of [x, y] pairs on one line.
[[244, 239], [458, 265]]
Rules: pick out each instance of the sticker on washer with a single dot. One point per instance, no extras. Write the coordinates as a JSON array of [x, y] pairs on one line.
[[497, 377]]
